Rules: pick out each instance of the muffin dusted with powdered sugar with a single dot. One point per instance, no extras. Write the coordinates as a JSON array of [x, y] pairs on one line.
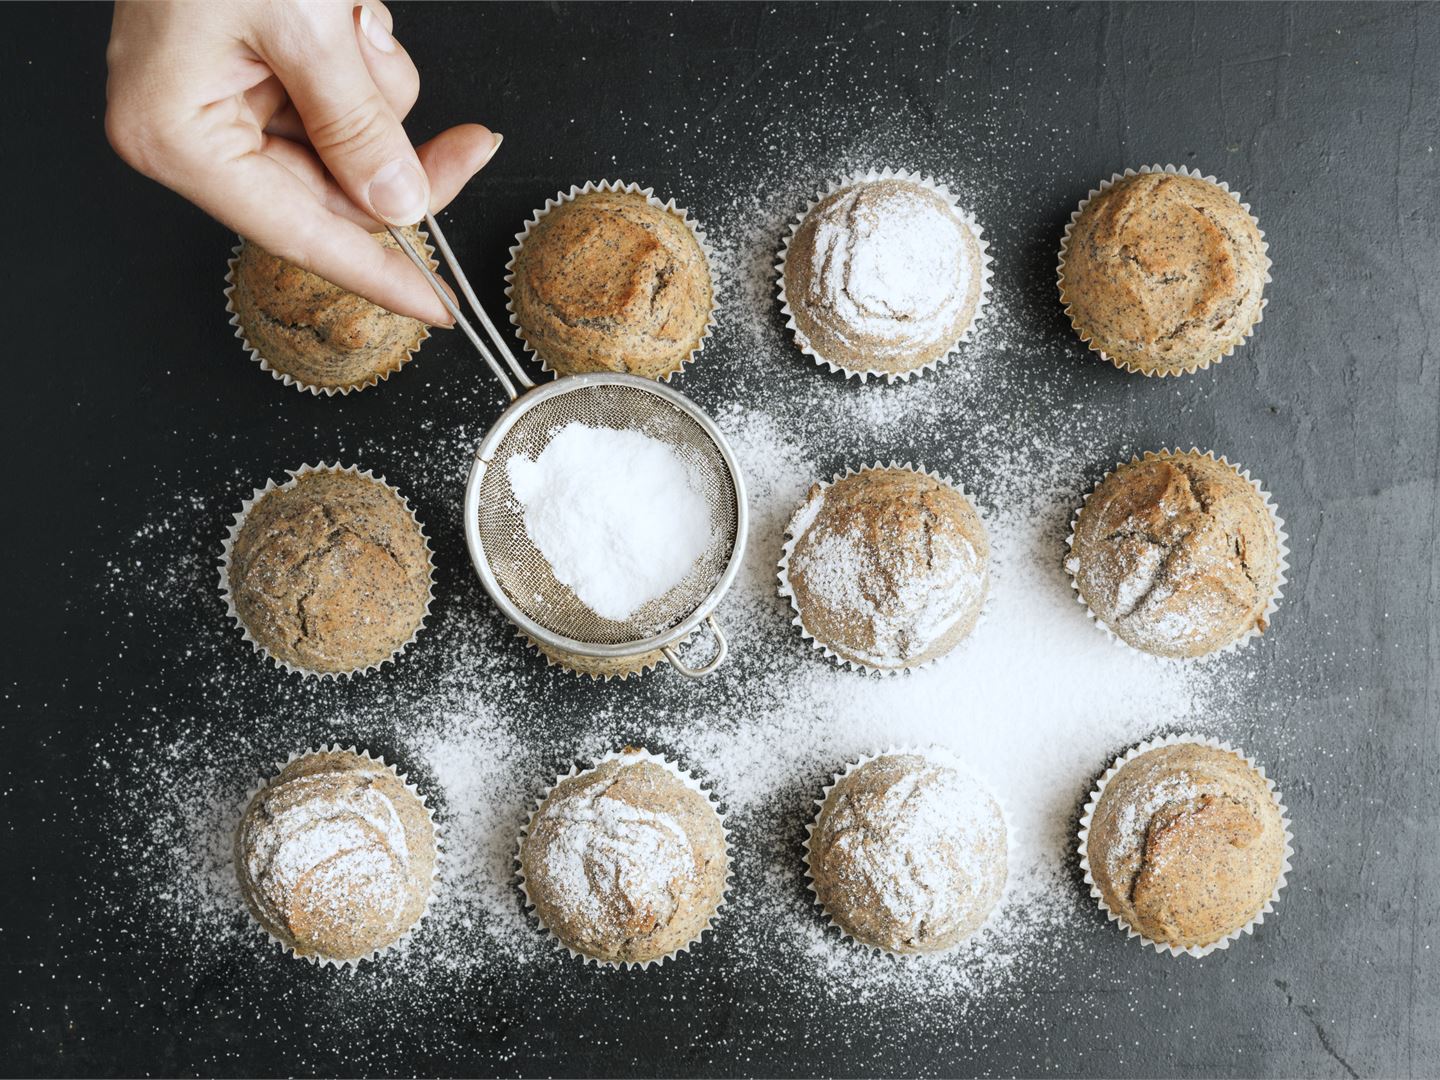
[[336, 856], [908, 853], [887, 568], [626, 862], [883, 276]]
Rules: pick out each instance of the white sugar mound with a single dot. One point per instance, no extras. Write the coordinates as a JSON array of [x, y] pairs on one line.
[[618, 515]]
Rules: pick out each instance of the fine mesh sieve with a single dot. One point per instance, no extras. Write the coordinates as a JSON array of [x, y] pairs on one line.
[[514, 572]]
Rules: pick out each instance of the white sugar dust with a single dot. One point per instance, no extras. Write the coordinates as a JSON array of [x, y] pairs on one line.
[[620, 518]]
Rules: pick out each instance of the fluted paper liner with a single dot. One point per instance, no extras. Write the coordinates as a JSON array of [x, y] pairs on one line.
[[1282, 552], [1083, 836], [788, 592], [238, 524], [935, 755], [631, 755], [602, 668], [1128, 365], [965, 216], [439, 833], [562, 197], [290, 380]]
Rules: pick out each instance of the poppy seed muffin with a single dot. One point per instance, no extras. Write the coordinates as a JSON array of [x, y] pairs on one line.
[[887, 568], [1163, 273], [319, 335], [883, 276], [1186, 844], [625, 863], [336, 856], [607, 281], [330, 573], [908, 854], [1177, 554]]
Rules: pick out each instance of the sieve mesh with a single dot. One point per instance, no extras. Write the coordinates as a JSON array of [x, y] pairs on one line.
[[523, 572]]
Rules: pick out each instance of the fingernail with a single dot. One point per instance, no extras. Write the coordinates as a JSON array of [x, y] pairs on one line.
[[399, 194], [375, 30]]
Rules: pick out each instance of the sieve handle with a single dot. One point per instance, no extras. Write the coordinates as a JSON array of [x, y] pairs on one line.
[[721, 649], [463, 323]]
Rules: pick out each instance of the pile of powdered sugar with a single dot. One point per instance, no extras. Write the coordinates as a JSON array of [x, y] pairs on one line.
[[620, 518]]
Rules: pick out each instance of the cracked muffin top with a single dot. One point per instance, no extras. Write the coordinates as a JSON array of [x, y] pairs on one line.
[[315, 332], [883, 276], [625, 862], [607, 281], [1186, 844], [889, 567], [330, 573], [908, 854], [336, 856], [1177, 554], [1163, 273]]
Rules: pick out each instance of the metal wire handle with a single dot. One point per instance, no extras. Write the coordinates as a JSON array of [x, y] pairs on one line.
[[455, 313]]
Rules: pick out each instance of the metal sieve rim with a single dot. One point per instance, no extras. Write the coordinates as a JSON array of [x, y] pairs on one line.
[[484, 456]]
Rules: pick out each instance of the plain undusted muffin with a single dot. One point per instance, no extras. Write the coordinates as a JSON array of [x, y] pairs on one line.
[[606, 281], [1186, 844], [330, 574], [883, 276], [315, 332], [889, 567], [908, 854], [625, 862], [336, 856], [1164, 272], [1177, 554]]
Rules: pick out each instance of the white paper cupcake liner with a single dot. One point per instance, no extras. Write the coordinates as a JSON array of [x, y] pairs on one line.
[[399, 943], [599, 668], [786, 590], [1174, 170], [229, 546], [1083, 836], [290, 380], [938, 755], [1282, 552], [562, 197], [630, 754], [803, 343]]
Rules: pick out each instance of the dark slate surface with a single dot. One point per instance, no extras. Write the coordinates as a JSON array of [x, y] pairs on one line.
[[122, 378]]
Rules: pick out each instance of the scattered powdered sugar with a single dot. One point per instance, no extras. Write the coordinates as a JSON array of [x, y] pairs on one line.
[[610, 858], [618, 515]]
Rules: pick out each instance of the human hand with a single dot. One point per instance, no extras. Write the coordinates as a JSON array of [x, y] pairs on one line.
[[283, 121]]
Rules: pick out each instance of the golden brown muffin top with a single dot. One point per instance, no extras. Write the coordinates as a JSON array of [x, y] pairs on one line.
[[609, 282], [315, 332], [889, 567], [1178, 555], [1186, 844], [883, 276], [625, 862], [330, 574], [336, 856], [1164, 272], [908, 854]]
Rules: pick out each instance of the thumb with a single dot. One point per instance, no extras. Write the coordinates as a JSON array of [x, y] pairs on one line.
[[353, 129]]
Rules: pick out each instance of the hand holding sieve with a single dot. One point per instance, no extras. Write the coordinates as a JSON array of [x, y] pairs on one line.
[[514, 572]]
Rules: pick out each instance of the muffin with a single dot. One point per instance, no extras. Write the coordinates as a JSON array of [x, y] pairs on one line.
[[336, 856], [1163, 272], [608, 279], [883, 276], [625, 863], [313, 334], [1178, 554], [329, 573], [907, 854], [887, 568], [1186, 844]]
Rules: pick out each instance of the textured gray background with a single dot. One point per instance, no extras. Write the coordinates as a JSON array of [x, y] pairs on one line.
[[121, 377]]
